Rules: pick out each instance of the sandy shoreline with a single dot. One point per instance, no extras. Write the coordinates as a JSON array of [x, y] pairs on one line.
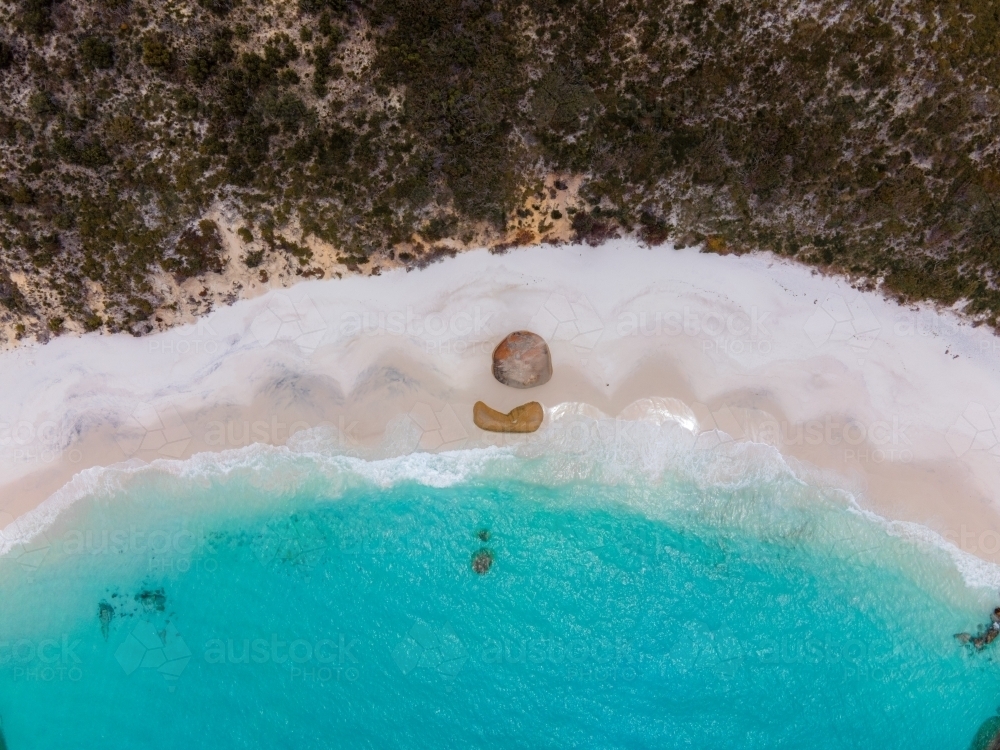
[[901, 406]]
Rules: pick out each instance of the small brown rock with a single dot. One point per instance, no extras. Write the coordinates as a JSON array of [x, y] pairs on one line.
[[482, 561], [525, 418], [522, 360]]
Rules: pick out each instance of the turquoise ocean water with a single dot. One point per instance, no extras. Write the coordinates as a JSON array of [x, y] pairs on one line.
[[290, 599]]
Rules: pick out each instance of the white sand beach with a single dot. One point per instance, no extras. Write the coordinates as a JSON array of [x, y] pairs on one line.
[[899, 406]]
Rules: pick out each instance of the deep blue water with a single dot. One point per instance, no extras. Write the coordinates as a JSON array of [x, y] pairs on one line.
[[328, 611]]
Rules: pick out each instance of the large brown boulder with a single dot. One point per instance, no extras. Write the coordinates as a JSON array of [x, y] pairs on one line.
[[522, 360], [524, 418]]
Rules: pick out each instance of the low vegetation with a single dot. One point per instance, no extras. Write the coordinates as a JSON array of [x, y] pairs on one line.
[[860, 138]]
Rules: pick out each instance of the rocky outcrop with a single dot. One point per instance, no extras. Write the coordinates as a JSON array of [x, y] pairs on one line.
[[105, 613], [482, 561], [525, 418], [522, 360], [988, 736], [152, 599]]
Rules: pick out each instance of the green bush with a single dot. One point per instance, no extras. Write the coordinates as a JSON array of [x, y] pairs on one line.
[[323, 69], [187, 103], [288, 110], [253, 258], [96, 53], [36, 16], [43, 105], [338, 7], [198, 250], [156, 53], [6, 55], [438, 228], [122, 130], [218, 7], [703, 119], [200, 66]]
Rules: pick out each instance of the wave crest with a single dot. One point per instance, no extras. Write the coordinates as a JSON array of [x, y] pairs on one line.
[[652, 442]]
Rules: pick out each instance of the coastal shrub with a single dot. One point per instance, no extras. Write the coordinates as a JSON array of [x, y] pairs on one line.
[[121, 130], [288, 110], [338, 7], [590, 228], [96, 53], [156, 53], [323, 69], [303, 254], [218, 7], [253, 258], [11, 296], [200, 66], [6, 55], [198, 250], [90, 154], [187, 103], [653, 229], [36, 16], [437, 228], [44, 250], [719, 121], [207, 59], [43, 105]]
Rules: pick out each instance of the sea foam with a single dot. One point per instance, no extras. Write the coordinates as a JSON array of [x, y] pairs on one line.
[[651, 442]]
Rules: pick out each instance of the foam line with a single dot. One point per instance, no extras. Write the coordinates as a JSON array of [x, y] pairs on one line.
[[644, 452]]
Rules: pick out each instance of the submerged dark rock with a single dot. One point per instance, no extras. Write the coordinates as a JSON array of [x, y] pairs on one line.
[[482, 561], [152, 599], [106, 613], [988, 736]]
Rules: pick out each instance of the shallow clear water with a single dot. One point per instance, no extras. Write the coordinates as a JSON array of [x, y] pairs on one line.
[[326, 608]]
